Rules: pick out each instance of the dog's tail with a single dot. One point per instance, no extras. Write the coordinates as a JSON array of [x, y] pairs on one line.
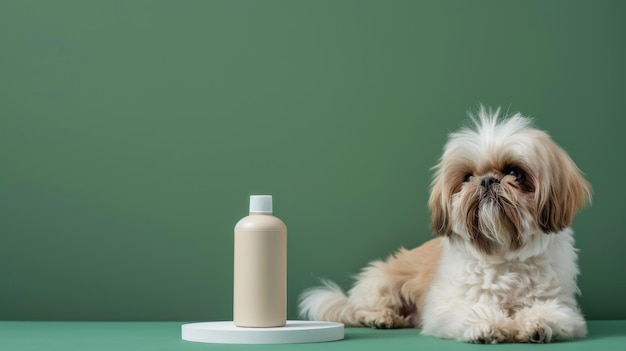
[[327, 303]]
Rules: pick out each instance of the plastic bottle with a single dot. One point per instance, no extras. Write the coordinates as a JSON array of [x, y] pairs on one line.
[[260, 280]]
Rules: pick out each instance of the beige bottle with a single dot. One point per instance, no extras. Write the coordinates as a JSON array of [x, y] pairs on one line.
[[260, 281]]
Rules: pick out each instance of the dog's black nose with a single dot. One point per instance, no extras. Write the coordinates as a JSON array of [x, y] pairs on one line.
[[488, 181]]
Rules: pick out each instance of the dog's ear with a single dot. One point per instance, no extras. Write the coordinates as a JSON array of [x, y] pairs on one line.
[[439, 207], [562, 191]]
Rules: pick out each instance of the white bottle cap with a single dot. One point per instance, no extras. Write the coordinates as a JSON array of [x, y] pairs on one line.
[[261, 204]]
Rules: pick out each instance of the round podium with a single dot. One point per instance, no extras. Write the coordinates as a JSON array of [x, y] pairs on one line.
[[295, 332]]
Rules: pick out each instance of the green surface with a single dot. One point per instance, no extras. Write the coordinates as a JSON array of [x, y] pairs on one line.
[[133, 132], [95, 336]]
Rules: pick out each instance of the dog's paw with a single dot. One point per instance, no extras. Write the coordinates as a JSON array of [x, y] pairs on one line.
[[534, 331], [386, 319], [483, 333], [548, 321]]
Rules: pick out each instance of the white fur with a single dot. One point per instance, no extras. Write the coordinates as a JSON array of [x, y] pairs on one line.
[[486, 298]]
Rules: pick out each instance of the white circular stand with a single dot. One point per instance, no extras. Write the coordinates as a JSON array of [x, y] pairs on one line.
[[295, 332]]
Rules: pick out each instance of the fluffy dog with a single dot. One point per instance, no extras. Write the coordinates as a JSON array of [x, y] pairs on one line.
[[503, 267]]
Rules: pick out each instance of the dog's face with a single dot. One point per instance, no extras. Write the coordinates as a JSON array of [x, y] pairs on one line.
[[504, 181]]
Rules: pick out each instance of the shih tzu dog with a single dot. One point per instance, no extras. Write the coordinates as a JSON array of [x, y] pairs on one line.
[[503, 267]]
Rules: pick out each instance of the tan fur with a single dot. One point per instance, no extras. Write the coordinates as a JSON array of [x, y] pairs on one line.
[[567, 192], [386, 294], [413, 271], [396, 288], [440, 219]]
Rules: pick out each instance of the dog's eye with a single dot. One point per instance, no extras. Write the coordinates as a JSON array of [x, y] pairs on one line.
[[516, 172], [468, 177]]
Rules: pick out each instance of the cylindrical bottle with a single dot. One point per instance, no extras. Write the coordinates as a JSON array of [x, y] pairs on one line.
[[260, 280]]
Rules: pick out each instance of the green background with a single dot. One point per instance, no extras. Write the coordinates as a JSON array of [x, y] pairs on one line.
[[133, 132]]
